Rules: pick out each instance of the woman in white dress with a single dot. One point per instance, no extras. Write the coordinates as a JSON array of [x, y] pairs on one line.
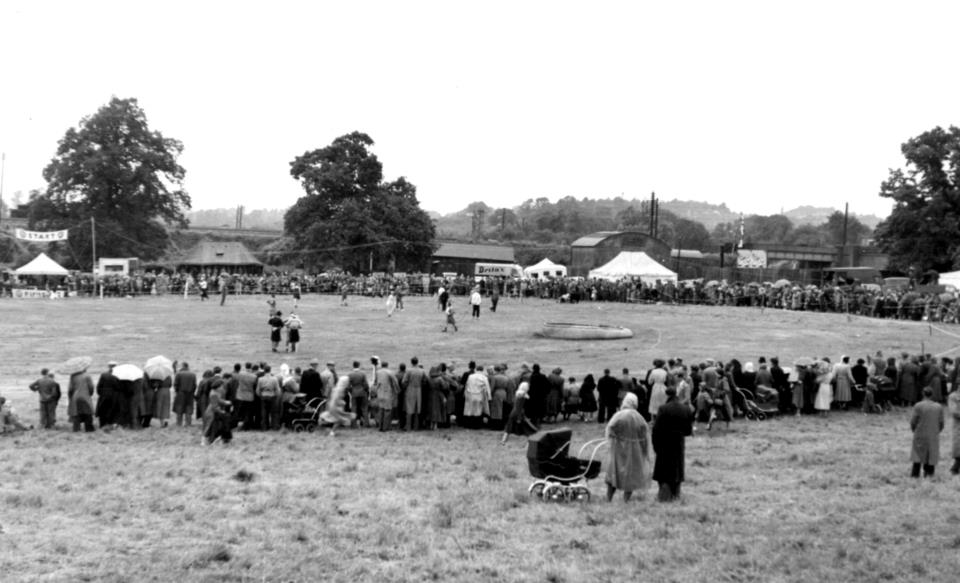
[[824, 387], [658, 387]]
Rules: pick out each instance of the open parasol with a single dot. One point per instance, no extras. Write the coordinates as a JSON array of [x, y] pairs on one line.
[[158, 368], [711, 283], [803, 361], [128, 372], [781, 283], [75, 365]]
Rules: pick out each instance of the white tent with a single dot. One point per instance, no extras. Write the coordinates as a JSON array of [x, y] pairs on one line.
[[545, 268], [634, 264], [950, 278], [42, 265]]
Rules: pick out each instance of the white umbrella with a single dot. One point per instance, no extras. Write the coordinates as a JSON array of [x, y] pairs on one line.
[[128, 372], [75, 365], [158, 368]]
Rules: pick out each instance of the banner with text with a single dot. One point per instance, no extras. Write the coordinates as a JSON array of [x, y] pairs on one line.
[[41, 236]]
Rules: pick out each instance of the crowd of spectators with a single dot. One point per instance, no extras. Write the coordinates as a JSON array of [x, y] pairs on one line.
[[862, 299]]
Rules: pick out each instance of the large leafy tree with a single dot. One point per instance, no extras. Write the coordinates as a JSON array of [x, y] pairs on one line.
[[115, 169], [350, 217], [923, 230]]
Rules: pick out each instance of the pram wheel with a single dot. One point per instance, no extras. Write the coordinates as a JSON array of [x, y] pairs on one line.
[[299, 428], [554, 493], [536, 489], [761, 416], [749, 415], [311, 427], [580, 494]]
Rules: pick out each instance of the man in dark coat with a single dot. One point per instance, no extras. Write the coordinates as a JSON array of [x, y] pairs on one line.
[[310, 383], [607, 389], [184, 389], [537, 395], [781, 383], [674, 423], [926, 424], [109, 396], [49, 393]]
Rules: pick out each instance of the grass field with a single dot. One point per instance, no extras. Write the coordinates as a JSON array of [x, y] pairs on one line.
[[794, 499]]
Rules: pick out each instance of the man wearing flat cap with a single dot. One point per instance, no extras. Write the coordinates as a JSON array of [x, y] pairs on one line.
[[310, 383]]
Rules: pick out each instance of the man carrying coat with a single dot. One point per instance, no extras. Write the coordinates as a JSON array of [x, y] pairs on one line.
[[926, 423]]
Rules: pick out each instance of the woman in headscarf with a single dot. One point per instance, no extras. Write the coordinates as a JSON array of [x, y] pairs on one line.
[[628, 437], [588, 399], [335, 413], [80, 393]]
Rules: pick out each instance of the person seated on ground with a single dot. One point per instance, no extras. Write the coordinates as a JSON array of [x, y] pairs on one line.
[[9, 420]]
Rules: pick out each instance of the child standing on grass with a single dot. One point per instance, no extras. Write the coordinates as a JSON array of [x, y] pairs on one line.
[[451, 320]]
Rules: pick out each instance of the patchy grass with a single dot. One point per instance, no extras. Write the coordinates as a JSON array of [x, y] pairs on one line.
[[792, 500]]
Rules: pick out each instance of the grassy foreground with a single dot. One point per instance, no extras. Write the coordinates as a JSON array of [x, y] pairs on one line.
[[789, 499]]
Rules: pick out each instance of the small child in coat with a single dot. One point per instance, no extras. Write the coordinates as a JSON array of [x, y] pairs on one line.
[[451, 320]]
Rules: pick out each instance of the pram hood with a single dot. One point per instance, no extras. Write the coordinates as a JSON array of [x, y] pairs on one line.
[[549, 444]]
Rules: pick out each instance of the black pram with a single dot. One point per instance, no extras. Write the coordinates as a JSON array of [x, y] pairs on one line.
[[559, 476]]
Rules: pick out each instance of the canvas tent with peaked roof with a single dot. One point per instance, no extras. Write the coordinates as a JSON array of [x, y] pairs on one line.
[[629, 264], [42, 265], [217, 256], [545, 268]]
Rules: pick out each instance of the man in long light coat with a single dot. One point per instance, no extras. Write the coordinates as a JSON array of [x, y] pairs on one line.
[[476, 398], [926, 423], [387, 389]]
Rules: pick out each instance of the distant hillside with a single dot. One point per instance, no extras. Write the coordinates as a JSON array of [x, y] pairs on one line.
[[811, 215], [255, 219], [709, 215]]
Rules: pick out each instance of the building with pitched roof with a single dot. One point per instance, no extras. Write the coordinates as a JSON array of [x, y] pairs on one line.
[[596, 249], [214, 257], [462, 258]]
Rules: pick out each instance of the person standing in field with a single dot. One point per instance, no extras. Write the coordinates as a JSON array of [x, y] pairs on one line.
[[80, 393], [588, 399], [224, 285], [628, 436], [293, 324], [825, 388], [414, 380], [391, 304], [246, 391], [926, 424], [451, 319], [387, 389], [328, 377], [953, 402], [109, 397], [359, 390], [343, 302], [184, 388], [276, 326], [310, 383], [48, 390], [203, 289], [672, 424], [475, 300], [272, 305], [268, 389], [494, 297], [608, 389], [443, 296]]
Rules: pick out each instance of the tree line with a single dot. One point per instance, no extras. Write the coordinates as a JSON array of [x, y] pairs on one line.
[[115, 170]]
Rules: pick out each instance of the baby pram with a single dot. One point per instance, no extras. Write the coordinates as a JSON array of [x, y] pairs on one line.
[[756, 409], [304, 414], [559, 477]]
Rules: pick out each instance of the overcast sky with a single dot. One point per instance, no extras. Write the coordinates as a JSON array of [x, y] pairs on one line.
[[759, 105]]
